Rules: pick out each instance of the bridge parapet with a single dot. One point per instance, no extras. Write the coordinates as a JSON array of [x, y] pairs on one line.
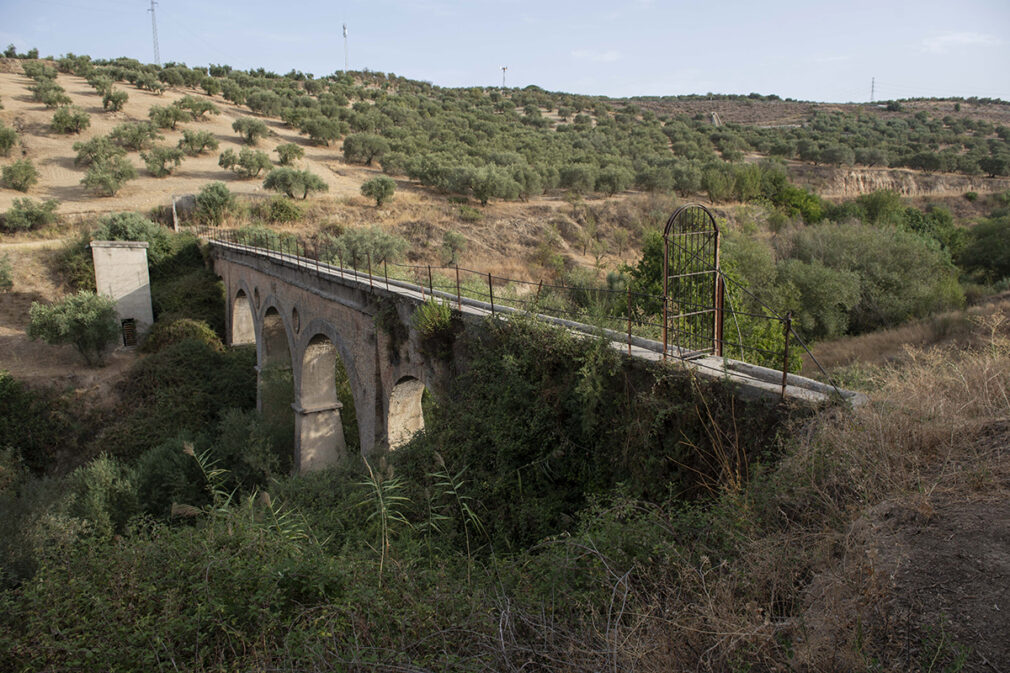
[[309, 315]]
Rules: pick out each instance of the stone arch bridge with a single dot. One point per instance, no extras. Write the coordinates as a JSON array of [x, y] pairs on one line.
[[305, 317]]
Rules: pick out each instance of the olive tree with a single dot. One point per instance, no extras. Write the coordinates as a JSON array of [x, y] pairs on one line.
[[289, 153], [291, 182], [20, 175], [135, 136], [161, 161], [70, 120], [214, 202], [106, 178], [250, 129], [113, 101], [84, 320], [381, 189], [362, 148], [197, 142]]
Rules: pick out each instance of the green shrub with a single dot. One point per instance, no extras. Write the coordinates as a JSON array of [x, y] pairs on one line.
[[103, 494], [20, 175], [168, 116], [987, 255], [250, 129], [355, 245], [971, 197], [432, 318], [214, 202], [183, 388], [135, 136], [247, 163], [288, 153], [96, 150], [380, 188], [165, 333], [85, 320], [70, 120], [26, 215], [8, 139], [195, 293], [195, 143], [167, 475], [292, 182], [113, 101], [197, 108], [6, 273], [161, 161], [279, 209], [106, 178], [133, 226]]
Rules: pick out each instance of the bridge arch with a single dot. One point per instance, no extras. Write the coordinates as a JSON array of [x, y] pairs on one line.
[[243, 319], [406, 412], [275, 380], [325, 425]]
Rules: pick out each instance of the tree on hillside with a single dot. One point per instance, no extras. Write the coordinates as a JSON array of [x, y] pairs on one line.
[[26, 215], [85, 320], [107, 177], [113, 101], [250, 129], [291, 182], [247, 163], [381, 189], [8, 138], [70, 119], [161, 161], [362, 148], [197, 107], [6, 273], [214, 202], [98, 149], [135, 136], [288, 153], [197, 142], [20, 175], [168, 116]]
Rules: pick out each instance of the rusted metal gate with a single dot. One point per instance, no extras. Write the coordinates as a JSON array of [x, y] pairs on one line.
[[693, 288]]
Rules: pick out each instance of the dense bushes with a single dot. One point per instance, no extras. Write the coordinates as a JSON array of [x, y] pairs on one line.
[[87, 321], [26, 215]]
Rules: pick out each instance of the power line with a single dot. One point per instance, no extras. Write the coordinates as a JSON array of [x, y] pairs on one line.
[[154, 33], [346, 59]]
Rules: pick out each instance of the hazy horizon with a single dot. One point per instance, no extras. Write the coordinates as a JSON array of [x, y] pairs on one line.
[[807, 51]]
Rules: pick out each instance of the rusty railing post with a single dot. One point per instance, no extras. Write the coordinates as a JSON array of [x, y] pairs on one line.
[[629, 321], [459, 298], [666, 324], [490, 291], [431, 285], [787, 326], [540, 286]]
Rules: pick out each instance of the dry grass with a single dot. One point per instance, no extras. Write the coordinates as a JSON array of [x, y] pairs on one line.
[[788, 573]]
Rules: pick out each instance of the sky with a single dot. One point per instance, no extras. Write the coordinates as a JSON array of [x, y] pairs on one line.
[[803, 49]]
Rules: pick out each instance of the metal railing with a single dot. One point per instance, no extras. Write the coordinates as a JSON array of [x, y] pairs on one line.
[[633, 319]]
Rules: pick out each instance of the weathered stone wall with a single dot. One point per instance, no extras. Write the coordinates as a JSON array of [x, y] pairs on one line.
[[121, 273]]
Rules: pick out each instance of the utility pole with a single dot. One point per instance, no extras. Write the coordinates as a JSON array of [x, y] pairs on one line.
[[345, 49], [503, 69], [873, 87], [154, 33]]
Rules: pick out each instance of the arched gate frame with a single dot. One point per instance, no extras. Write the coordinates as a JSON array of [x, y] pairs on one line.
[[693, 287]]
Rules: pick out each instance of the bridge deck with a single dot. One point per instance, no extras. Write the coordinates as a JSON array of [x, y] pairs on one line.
[[753, 380]]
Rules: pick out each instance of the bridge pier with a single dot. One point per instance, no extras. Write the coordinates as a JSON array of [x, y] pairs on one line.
[[319, 437]]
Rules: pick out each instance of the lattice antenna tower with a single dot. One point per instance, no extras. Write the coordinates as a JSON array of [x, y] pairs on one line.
[[503, 69], [154, 34], [346, 60], [873, 87]]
